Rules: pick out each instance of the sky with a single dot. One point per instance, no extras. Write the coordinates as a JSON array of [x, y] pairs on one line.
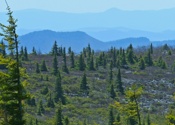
[[81, 6]]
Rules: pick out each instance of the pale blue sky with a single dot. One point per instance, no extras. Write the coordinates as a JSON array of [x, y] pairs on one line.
[[88, 5]]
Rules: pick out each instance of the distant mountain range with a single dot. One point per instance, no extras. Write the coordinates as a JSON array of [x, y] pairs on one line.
[[110, 25], [44, 40]]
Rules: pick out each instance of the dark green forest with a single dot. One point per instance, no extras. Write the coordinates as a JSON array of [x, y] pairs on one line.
[[120, 86]]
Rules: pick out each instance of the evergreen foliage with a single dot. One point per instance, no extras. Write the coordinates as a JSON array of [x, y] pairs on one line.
[[148, 119], [148, 58], [43, 66], [55, 49], [91, 63], [111, 117], [55, 65], [130, 54], [59, 117], [34, 51], [81, 63], [119, 82], [72, 60], [141, 63], [50, 102], [25, 54], [2, 48], [112, 92], [64, 67], [37, 68], [40, 108], [11, 88], [58, 94], [151, 48], [84, 85]]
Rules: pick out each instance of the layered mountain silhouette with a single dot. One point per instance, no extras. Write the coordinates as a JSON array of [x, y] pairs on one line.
[[150, 24], [77, 40]]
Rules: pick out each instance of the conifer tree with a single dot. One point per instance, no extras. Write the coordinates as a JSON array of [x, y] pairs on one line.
[[148, 58], [110, 72], [50, 102], [59, 117], [43, 66], [36, 122], [66, 121], [119, 82], [72, 60], [34, 51], [25, 54], [148, 120], [133, 105], [114, 57], [69, 50], [40, 109], [141, 64], [104, 62], [37, 68], [81, 63], [64, 67], [123, 58], [151, 48], [118, 120], [2, 48], [112, 92], [58, 94], [55, 49], [130, 54], [83, 86], [12, 92], [111, 117], [91, 63], [55, 65], [21, 53]]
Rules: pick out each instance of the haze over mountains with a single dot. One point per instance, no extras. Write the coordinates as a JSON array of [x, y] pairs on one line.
[[106, 26], [102, 30], [44, 40]]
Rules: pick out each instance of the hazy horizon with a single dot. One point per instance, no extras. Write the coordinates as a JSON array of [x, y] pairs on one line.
[[81, 6]]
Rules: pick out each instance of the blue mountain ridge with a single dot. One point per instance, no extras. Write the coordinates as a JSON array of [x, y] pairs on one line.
[[77, 40]]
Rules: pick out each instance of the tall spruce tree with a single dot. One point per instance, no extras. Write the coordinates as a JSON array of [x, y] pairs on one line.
[[59, 117], [148, 58], [40, 108], [111, 72], [25, 54], [64, 67], [50, 102], [34, 51], [37, 68], [91, 63], [151, 48], [148, 119], [130, 54], [83, 86], [141, 63], [55, 49], [81, 63], [55, 65], [112, 92], [119, 82], [72, 60], [58, 94], [12, 90], [43, 66], [111, 117], [66, 121]]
